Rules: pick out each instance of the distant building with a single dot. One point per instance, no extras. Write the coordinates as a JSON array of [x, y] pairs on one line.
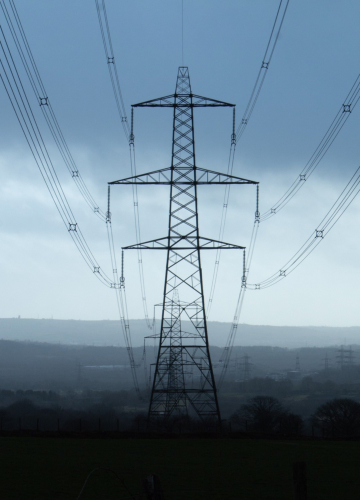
[[277, 376], [294, 375]]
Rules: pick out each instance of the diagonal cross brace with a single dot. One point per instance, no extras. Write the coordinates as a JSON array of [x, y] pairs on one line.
[[182, 101], [203, 177], [178, 244]]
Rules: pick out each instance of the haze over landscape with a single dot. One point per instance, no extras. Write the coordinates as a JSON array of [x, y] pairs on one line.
[[107, 333]]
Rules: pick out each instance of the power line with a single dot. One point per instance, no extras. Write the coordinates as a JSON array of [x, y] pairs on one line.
[[223, 219], [182, 32], [28, 123], [137, 222], [270, 48], [111, 63], [42, 97], [327, 140], [336, 211], [121, 297], [330, 135], [129, 133], [237, 133], [26, 118], [334, 214], [226, 354]]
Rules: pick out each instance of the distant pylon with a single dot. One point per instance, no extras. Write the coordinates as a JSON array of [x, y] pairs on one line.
[[326, 362], [78, 371], [345, 357], [183, 352], [244, 367], [297, 363]]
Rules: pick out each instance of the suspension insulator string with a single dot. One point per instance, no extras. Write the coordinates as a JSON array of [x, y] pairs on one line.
[[108, 213], [243, 279], [233, 135], [122, 277], [257, 212], [132, 137]]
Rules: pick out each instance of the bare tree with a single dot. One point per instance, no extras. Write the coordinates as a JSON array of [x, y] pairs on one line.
[[338, 418], [266, 414]]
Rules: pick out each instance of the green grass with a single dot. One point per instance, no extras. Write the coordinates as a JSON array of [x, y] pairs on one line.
[[50, 468]]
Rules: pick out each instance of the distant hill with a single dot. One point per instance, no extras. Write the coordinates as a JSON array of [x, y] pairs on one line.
[[46, 366], [110, 333]]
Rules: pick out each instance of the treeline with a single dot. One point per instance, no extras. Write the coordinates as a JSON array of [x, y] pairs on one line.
[[71, 399], [302, 396], [262, 416], [71, 411], [26, 415], [266, 415]]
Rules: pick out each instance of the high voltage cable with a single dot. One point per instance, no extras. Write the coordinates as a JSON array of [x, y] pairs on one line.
[[24, 113], [237, 133], [339, 121], [129, 133], [110, 59], [273, 39], [329, 137], [342, 203], [336, 211], [19, 37], [223, 220], [138, 235], [121, 296], [332, 132], [28, 123], [226, 353]]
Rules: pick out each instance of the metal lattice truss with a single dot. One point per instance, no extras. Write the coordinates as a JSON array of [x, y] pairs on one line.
[[183, 377], [181, 100], [184, 243], [183, 176]]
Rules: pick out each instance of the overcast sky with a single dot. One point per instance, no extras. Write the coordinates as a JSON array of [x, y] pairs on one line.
[[314, 65]]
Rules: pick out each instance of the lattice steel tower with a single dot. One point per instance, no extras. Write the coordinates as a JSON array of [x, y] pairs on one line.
[[183, 377]]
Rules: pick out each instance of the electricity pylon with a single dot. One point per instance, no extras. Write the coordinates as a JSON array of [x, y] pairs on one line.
[[182, 352]]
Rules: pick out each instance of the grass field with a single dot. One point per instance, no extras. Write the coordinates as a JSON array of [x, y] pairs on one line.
[[51, 468]]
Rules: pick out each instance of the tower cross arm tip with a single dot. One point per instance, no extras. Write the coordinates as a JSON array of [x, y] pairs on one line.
[[200, 101], [167, 101]]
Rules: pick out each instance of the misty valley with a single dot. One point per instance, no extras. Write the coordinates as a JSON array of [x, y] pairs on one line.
[[52, 387]]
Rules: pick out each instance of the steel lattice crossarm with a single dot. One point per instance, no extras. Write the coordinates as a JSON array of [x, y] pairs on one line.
[[183, 176], [179, 100], [177, 243]]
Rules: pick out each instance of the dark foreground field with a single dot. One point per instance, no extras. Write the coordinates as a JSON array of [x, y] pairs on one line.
[[51, 468]]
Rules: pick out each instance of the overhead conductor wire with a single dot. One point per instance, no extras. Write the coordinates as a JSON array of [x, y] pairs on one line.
[[338, 122], [247, 260], [237, 133], [129, 134], [28, 123], [329, 137], [121, 296], [26, 118], [337, 210], [19, 37], [235, 136], [339, 207]]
